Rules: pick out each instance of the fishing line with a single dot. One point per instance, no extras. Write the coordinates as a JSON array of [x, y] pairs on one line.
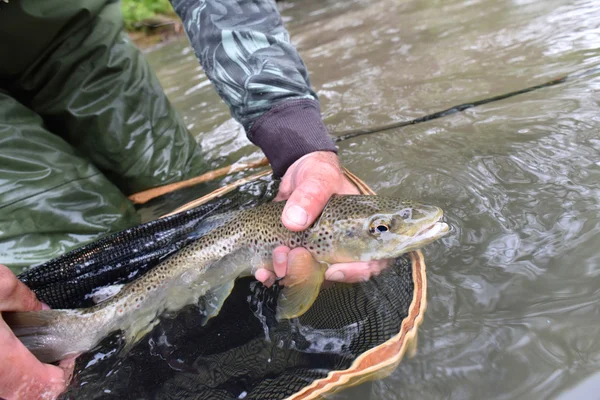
[[143, 197], [350, 134]]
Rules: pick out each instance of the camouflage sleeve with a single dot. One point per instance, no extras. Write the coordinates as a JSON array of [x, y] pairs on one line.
[[246, 52]]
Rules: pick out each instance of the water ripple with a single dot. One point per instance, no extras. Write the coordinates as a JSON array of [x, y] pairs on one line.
[[513, 292]]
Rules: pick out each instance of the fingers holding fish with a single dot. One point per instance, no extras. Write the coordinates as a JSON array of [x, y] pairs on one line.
[[287, 265], [351, 272], [286, 260], [308, 185], [265, 277], [280, 260], [22, 375], [14, 295], [355, 271]]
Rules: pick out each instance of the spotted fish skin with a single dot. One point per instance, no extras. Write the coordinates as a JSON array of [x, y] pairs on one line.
[[229, 246]]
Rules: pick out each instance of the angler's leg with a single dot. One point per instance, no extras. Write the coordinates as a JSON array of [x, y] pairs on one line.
[[51, 199], [99, 93]]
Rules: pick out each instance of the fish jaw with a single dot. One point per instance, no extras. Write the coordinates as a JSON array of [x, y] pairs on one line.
[[432, 233]]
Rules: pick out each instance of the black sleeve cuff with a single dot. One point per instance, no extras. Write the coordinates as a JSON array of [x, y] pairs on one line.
[[290, 130]]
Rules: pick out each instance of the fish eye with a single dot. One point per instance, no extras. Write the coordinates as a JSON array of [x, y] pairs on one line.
[[379, 228]]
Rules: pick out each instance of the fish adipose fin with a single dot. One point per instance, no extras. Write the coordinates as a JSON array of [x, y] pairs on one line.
[[37, 331], [302, 283]]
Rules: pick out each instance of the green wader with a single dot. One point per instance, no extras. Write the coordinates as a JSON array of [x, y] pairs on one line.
[[83, 123]]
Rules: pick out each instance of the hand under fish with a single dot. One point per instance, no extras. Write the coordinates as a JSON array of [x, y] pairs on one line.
[[307, 186]]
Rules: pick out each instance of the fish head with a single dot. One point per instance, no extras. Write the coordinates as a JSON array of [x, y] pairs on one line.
[[365, 228]]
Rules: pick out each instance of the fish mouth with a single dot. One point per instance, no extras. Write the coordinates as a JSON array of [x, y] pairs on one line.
[[426, 235], [435, 230]]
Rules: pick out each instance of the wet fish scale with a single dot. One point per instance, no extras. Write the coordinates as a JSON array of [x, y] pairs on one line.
[[232, 245]]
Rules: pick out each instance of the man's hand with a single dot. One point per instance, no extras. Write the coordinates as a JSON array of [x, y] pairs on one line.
[[22, 376], [307, 185]]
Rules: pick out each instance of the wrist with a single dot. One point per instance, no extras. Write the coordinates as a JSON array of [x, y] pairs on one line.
[[289, 131]]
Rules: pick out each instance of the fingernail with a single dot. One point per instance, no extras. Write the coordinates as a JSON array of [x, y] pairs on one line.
[[45, 306], [297, 215], [336, 276], [280, 258]]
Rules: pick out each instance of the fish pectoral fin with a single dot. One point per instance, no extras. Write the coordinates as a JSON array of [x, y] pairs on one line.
[[302, 283], [211, 303]]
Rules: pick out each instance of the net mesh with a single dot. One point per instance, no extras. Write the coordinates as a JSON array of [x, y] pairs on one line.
[[244, 352]]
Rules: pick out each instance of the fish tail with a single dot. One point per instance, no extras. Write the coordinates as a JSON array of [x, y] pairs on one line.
[[45, 333]]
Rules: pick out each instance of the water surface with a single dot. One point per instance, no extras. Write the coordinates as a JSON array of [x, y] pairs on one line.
[[513, 309]]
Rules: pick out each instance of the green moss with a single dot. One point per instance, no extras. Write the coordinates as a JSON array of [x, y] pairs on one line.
[[135, 12]]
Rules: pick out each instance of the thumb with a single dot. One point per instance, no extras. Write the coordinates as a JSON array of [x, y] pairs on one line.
[[14, 294], [305, 204]]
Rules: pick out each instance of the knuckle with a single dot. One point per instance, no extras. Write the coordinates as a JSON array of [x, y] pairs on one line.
[[284, 192]]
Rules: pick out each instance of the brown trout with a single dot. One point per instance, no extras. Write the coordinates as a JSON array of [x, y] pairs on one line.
[[232, 245]]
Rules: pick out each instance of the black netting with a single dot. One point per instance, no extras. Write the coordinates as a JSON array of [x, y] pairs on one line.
[[243, 352]]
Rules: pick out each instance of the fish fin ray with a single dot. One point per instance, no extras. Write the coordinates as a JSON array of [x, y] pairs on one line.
[[213, 301], [131, 337], [35, 330], [302, 283]]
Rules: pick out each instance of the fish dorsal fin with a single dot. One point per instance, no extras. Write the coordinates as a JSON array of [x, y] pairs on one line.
[[211, 223], [302, 283]]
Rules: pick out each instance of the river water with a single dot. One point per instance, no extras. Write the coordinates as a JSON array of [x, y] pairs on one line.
[[513, 304]]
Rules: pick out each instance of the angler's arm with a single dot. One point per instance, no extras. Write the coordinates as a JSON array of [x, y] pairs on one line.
[[246, 52]]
